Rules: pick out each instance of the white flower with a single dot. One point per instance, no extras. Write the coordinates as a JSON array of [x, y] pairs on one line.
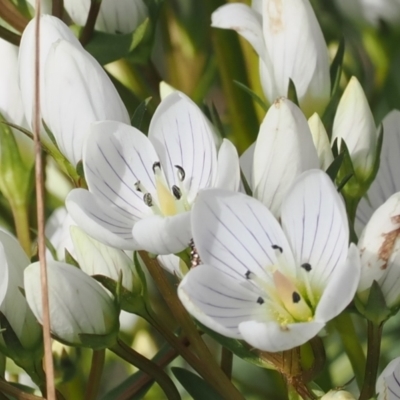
[[289, 41], [354, 123], [379, 246], [321, 141], [371, 11], [95, 258], [387, 181], [338, 395], [388, 383], [121, 16], [78, 304], [10, 98], [141, 189], [283, 150], [76, 91], [274, 287], [13, 305]]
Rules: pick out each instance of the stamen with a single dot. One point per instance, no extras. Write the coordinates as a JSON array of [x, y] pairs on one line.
[[157, 164], [276, 247], [296, 297], [247, 274], [181, 173], [138, 186], [148, 199], [306, 266], [176, 192], [194, 256], [260, 300]]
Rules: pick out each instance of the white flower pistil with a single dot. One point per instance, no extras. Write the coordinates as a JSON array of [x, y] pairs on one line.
[[169, 202]]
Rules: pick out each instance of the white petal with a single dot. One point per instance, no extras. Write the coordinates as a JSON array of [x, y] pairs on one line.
[[341, 287], [246, 165], [314, 220], [116, 157], [235, 233], [284, 149], [163, 235], [99, 220], [270, 336], [77, 92], [182, 136], [297, 49], [219, 301], [51, 30], [355, 124], [78, 304], [321, 141], [387, 180], [228, 167], [244, 20], [377, 242], [388, 383]]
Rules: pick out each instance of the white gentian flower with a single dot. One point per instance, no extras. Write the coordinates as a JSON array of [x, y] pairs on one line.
[[76, 91], [121, 16], [387, 180], [371, 11], [96, 258], [321, 141], [10, 98], [273, 286], [141, 189], [388, 383], [78, 304], [283, 150], [289, 41], [354, 123], [13, 305], [379, 246]]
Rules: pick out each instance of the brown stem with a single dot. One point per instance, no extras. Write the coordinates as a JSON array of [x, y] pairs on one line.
[[11, 37], [88, 29], [5, 387], [12, 16], [57, 8], [227, 362], [96, 370]]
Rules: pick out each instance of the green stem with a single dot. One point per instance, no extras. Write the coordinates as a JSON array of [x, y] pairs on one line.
[[150, 368], [96, 371], [21, 219], [345, 327], [371, 367], [227, 362], [319, 354], [11, 37], [351, 208], [205, 363]]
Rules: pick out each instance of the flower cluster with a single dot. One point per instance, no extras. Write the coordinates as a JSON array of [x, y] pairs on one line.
[[272, 239]]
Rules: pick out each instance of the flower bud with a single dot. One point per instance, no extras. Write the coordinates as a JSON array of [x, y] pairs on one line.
[[96, 258], [354, 123], [81, 311], [338, 395], [122, 16], [379, 246], [13, 305]]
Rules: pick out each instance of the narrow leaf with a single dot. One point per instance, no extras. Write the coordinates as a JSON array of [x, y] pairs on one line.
[[252, 94]]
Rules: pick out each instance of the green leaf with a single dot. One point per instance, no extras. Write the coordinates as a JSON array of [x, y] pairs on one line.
[[292, 93], [334, 168], [194, 385], [107, 47], [71, 260], [253, 95], [246, 185], [216, 120], [137, 117], [336, 67]]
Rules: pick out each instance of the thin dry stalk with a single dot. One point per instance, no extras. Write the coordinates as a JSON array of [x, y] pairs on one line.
[[48, 359]]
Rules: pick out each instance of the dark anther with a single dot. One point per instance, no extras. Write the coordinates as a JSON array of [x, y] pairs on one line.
[[260, 300], [176, 192], [247, 274], [296, 297], [148, 199], [181, 172], [276, 247], [156, 165], [306, 266], [137, 186], [194, 256]]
